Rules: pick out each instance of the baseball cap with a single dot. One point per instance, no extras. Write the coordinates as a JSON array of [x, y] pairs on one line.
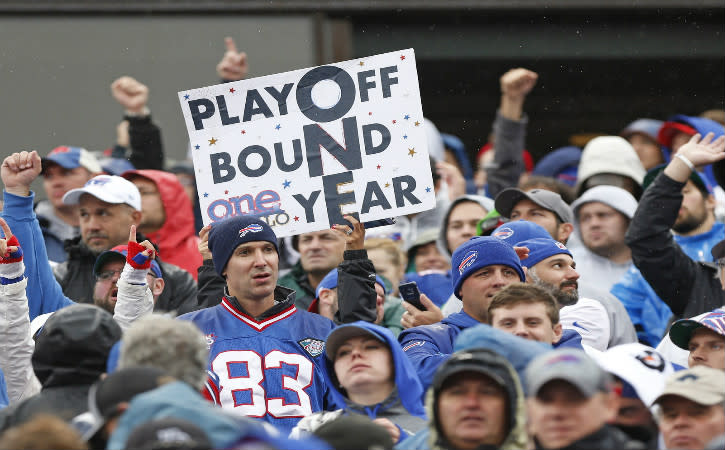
[[489, 223], [570, 365], [681, 331], [643, 368], [700, 384], [520, 230], [330, 282], [72, 158], [120, 252], [342, 334], [701, 182], [508, 198], [647, 127], [540, 249], [121, 386], [670, 128], [168, 433], [107, 188]]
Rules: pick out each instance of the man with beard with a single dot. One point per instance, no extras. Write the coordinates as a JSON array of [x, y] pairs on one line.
[[551, 264], [696, 231]]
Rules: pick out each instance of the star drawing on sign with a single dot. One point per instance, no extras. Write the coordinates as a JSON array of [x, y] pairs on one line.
[[405, 136], [206, 194], [186, 97], [394, 121], [417, 123], [197, 146], [226, 192], [244, 132], [231, 90], [406, 117], [387, 184], [402, 57], [278, 127], [361, 63], [286, 184], [427, 189], [212, 141], [379, 166], [411, 151], [296, 218]]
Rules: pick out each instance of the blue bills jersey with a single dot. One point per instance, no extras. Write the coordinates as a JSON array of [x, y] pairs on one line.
[[269, 369]]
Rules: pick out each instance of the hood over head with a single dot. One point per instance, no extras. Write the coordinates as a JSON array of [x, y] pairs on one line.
[[442, 242]]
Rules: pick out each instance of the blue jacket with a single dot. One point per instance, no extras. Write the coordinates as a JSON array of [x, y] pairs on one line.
[[4, 401], [427, 346], [650, 315], [44, 293], [181, 401], [409, 393]]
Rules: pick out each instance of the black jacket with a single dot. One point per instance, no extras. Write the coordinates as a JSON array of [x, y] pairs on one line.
[[355, 288], [70, 355], [688, 287], [606, 438], [77, 280]]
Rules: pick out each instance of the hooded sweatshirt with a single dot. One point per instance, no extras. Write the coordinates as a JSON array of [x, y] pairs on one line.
[[403, 407], [176, 239], [431, 438]]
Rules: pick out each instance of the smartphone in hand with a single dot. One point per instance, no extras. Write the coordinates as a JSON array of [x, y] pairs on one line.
[[410, 293]]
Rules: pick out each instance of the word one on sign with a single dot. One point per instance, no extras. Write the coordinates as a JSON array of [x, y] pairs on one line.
[[300, 149]]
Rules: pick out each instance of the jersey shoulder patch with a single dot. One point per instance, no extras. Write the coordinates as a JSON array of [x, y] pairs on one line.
[[313, 347]]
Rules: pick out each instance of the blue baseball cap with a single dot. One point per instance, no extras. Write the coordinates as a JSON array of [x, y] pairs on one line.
[[72, 158], [540, 249], [330, 282], [120, 252]]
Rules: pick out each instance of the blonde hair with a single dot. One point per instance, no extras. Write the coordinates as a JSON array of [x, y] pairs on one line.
[[390, 247]]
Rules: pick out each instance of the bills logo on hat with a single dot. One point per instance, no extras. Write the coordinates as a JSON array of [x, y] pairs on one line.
[[468, 259], [98, 181], [652, 360], [253, 228], [561, 246], [715, 321], [504, 233]]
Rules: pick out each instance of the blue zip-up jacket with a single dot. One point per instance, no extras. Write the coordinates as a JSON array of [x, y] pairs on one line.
[[427, 346], [44, 293], [650, 315]]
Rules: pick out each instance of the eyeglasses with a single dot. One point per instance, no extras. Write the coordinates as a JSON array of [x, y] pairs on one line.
[[107, 275]]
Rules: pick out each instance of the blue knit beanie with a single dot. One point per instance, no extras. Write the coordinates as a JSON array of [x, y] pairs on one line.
[[540, 249], [226, 235], [479, 252], [519, 230]]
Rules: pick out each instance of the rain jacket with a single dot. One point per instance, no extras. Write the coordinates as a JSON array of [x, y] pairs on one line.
[[519, 352], [181, 401], [176, 239], [403, 407], [70, 355], [650, 315], [688, 287]]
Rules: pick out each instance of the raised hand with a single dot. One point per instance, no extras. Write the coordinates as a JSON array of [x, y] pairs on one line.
[[517, 83], [702, 152], [233, 65], [9, 246], [355, 236], [19, 170], [203, 244], [413, 317], [131, 94]]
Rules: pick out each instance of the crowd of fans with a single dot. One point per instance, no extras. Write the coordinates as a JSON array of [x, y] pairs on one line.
[[573, 303]]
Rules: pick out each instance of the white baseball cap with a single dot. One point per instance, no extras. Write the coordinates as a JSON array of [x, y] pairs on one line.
[[107, 188]]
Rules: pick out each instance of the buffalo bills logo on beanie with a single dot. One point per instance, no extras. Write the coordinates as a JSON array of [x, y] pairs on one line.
[[468, 259], [226, 235], [253, 228], [503, 233], [479, 252]]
